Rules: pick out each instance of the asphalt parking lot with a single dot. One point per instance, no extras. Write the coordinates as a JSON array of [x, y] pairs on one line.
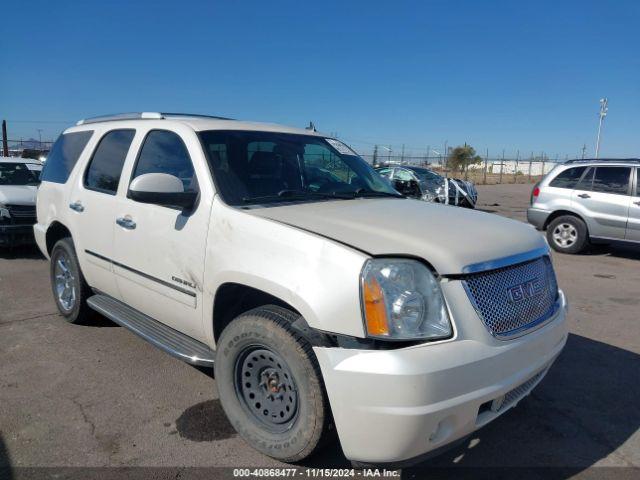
[[80, 396]]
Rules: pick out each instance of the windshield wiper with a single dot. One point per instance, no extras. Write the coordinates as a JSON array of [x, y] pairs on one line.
[[295, 195], [363, 192]]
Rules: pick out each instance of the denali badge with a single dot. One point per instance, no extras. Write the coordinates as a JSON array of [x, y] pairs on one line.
[[528, 289]]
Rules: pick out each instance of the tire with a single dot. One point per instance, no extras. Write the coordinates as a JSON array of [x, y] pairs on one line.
[[66, 276], [568, 234], [270, 385]]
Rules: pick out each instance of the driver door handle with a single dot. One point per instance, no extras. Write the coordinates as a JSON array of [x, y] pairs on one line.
[[584, 195], [76, 206], [126, 223]]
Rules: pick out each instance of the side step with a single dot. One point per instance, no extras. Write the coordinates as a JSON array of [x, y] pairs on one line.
[[165, 338]]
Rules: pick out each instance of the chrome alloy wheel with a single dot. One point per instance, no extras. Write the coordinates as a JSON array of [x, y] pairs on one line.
[[565, 235], [65, 283]]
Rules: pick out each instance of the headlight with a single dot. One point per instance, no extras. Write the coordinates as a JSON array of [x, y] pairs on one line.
[[402, 300], [4, 212]]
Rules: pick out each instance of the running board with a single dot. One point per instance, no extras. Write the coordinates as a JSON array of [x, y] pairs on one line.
[[165, 338]]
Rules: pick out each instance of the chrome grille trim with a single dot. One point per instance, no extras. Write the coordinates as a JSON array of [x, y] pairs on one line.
[[504, 318]]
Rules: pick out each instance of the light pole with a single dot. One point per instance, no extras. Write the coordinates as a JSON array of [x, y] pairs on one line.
[[604, 102], [388, 149]]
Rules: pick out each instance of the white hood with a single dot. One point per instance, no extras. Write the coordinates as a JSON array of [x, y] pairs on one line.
[[449, 238], [18, 194]]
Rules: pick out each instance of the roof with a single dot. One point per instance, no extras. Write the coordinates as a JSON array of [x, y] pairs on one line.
[[590, 161], [194, 121]]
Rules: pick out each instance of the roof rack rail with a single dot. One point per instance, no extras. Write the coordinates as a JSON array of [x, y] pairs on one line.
[[603, 160], [144, 115], [121, 116], [195, 115]]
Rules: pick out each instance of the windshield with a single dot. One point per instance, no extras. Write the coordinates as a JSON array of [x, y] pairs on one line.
[[267, 167], [18, 174]]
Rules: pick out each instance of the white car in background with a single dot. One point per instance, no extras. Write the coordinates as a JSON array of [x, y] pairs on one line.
[[19, 180]]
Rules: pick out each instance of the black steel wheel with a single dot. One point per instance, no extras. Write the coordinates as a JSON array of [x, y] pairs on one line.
[[266, 387], [270, 385]]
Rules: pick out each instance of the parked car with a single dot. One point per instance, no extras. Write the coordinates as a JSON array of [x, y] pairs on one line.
[[583, 201], [19, 179], [323, 299], [425, 184]]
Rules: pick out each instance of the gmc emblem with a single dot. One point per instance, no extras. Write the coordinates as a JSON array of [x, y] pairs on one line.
[[522, 291]]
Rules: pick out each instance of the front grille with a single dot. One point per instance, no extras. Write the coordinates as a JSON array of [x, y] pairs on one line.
[[22, 211], [520, 391], [514, 299], [22, 214]]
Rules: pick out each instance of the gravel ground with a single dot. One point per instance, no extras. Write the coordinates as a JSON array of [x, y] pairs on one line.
[[96, 396]]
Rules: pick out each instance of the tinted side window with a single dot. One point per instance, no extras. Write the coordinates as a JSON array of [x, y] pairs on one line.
[[612, 180], [569, 178], [105, 167], [165, 152], [64, 155]]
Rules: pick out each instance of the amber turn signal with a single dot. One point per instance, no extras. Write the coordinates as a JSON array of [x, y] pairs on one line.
[[374, 308]]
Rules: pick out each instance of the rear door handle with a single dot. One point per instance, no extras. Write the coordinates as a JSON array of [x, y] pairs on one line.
[[637, 203], [126, 223], [76, 206], [584, 195]]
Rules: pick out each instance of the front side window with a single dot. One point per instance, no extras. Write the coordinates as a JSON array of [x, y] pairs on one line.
[[165, 152], [259, 167], [569, 178], [612, 180], [105, 167], [64, 155], [18, 174]]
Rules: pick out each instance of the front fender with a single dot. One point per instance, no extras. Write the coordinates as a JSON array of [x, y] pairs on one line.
[[317, 276]]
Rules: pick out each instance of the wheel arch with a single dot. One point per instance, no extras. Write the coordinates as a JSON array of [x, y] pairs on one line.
[[55, 232], [232, 299], [562, 213]]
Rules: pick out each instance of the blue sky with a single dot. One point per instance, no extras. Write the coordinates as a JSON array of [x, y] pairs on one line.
[[512, 75]]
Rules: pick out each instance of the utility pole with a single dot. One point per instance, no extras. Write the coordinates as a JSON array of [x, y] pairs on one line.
[[5, 146], [40, 138], [402, 155], [584, 150], [604, 106]]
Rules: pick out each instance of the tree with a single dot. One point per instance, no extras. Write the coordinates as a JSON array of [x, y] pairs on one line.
[[461, 157]]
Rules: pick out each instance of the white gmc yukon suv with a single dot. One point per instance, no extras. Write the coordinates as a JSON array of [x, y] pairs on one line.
[[321, 297]]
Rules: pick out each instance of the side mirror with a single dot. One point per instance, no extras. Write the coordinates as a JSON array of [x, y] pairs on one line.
[[161, 189]]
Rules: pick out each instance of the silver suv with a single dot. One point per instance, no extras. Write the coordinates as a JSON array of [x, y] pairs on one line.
[[583, 201]]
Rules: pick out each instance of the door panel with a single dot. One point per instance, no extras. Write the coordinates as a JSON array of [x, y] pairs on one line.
[[633, 226], [93, 202], [159, 251], [602, 197]]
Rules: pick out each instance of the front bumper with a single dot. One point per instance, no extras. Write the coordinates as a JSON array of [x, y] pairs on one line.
[[537, 217], [397, 405], [14, 235]]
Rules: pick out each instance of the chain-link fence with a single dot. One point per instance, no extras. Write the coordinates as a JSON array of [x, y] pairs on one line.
[[488, 172], [27, 148]]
